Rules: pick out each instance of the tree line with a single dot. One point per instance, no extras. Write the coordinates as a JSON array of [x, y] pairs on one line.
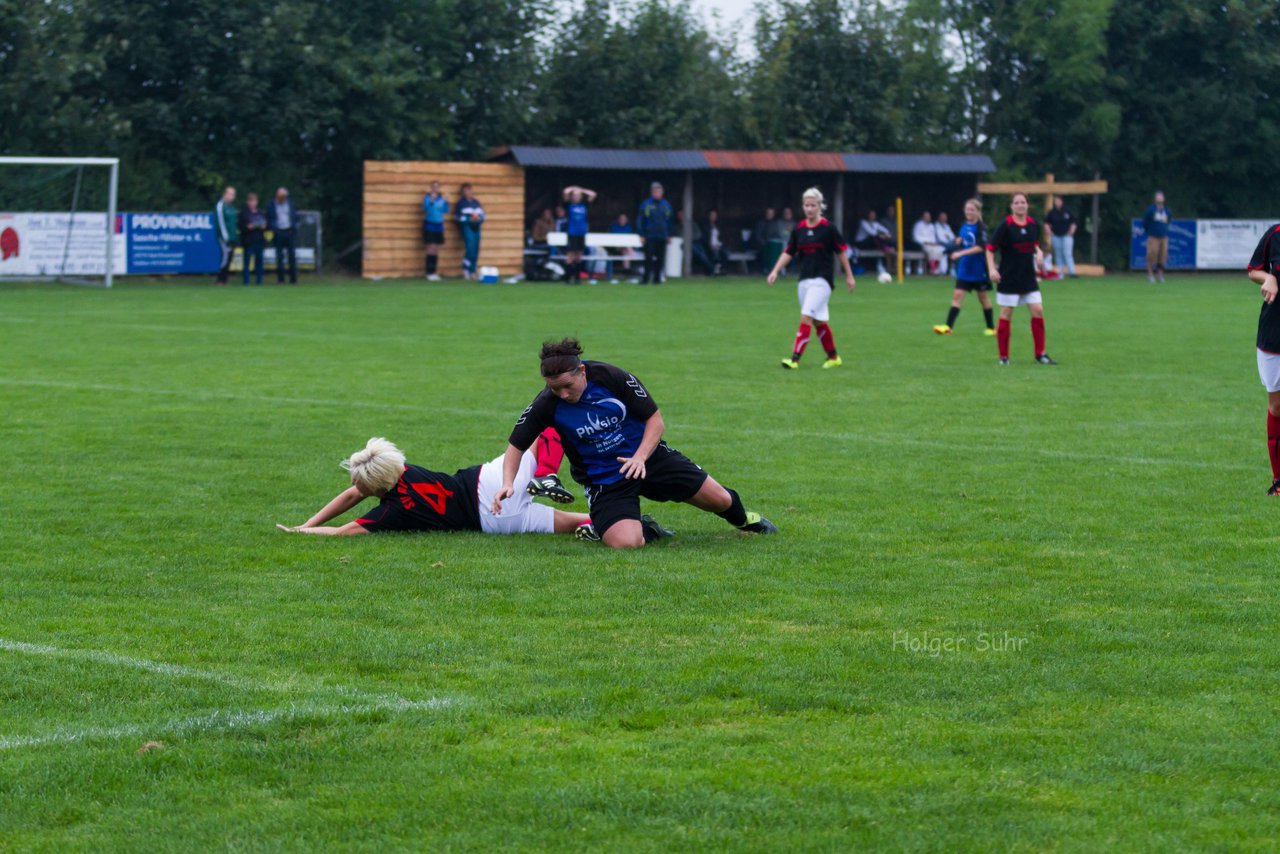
[[1173, 95]]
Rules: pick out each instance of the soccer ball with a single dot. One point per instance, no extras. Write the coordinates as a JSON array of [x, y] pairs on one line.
[[884, 277]]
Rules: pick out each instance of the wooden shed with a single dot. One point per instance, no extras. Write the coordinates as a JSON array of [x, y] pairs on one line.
[[393, 192]]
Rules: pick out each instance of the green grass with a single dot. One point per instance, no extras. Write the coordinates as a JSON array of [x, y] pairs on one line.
[[718, 692]]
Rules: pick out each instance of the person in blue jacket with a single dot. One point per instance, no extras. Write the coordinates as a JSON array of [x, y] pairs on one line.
[[653, 224], [470, 216], [435, 207]]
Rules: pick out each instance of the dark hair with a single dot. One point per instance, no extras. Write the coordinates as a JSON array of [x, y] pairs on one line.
[[560, 357]]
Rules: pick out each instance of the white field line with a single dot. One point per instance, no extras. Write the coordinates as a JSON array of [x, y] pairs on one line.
[[179, 671], [854, 438], [217, 721], [188, 394]]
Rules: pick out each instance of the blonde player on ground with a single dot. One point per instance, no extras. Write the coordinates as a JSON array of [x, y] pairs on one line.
[[814, 245], [411, 498]]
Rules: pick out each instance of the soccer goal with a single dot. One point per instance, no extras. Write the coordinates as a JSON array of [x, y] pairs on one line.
[[58, 219]]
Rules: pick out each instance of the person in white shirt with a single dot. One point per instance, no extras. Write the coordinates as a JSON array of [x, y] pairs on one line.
[[926, 237]]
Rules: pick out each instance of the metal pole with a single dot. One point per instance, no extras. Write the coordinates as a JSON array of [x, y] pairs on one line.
[[1093, 232], [899, 206], [687, 232], [111, 219]]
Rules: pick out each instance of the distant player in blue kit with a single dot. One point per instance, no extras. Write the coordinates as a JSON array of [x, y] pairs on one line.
[[576, 228], [970, 268], [612, 434]]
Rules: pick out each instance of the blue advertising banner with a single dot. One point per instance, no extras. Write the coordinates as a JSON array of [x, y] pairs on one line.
[[165, 243], [1182, 245]]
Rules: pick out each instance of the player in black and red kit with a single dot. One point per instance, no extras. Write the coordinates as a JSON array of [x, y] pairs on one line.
[[816, 244], [413, 498], [1262, 270], [1018, 241]]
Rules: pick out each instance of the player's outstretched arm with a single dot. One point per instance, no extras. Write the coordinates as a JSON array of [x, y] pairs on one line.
[[848, 272], [344, 530], [341, 503], [633, 467], [783, 260], [992, 271], [510, 465], [1268, 283]]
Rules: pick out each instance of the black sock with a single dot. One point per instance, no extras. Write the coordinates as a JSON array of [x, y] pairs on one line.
[[952, 315], [736, 515], [432, 262], [991, 321]]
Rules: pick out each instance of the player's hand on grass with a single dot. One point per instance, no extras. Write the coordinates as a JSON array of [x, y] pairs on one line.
[[502, 495], [632, 468], [1269, 288], [287, 529]]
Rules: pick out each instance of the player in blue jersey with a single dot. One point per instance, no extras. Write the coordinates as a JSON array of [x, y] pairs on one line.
[[576, 228], [435, 207], [612, 434], [970, 269]]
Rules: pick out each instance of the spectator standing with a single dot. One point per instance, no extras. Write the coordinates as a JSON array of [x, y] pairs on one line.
[[1155, 223], [435, 207], [470, 215], [225, 220], [622, 225], [282, 217], [253, 236], [873, 236], [653, 224], [1062, 226], [768, 238], [577, 197]]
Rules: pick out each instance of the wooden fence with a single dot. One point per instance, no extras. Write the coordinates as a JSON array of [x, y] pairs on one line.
[[393, 192]]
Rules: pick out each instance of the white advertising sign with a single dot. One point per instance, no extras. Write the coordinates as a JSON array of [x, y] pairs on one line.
[[1227, 244], [36, 244]]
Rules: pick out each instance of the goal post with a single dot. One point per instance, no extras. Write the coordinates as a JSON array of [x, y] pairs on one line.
[[52, 225]]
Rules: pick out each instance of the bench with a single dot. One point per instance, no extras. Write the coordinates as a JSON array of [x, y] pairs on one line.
[[907, 255], [604, 241], [742, 258]]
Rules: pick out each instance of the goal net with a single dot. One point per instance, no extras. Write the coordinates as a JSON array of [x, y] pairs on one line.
[[58, 220]]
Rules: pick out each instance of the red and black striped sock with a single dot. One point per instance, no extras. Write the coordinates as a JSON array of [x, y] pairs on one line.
[[1037, 335], [828, 342], [1002, 338], [549, 453], [802, 341]]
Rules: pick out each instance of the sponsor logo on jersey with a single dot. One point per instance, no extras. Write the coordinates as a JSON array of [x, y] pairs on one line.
[[596, 425]]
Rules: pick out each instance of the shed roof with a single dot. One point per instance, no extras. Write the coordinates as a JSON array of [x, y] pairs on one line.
[[679, 160]]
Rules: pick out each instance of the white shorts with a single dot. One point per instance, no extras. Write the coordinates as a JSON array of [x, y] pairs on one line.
[[814, 296], [1015, 300], [1269, 370], [520, 515]]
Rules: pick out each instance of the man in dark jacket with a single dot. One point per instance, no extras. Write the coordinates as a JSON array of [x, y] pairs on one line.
[[653, 224], [282, 219]]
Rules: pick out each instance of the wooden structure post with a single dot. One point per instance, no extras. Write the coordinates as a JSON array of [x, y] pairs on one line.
[[392, 216], [686, 232]]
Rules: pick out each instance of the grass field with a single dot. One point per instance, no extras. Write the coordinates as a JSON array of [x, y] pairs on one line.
[[1009, 609]]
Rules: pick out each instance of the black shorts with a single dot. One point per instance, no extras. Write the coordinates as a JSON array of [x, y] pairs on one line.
[[430, 237], [669, 476], [577, 243], [962, 285]]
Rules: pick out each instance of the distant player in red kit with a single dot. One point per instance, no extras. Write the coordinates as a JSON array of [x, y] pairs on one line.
[[1262, 269], [816, 243], [1018, 241]]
